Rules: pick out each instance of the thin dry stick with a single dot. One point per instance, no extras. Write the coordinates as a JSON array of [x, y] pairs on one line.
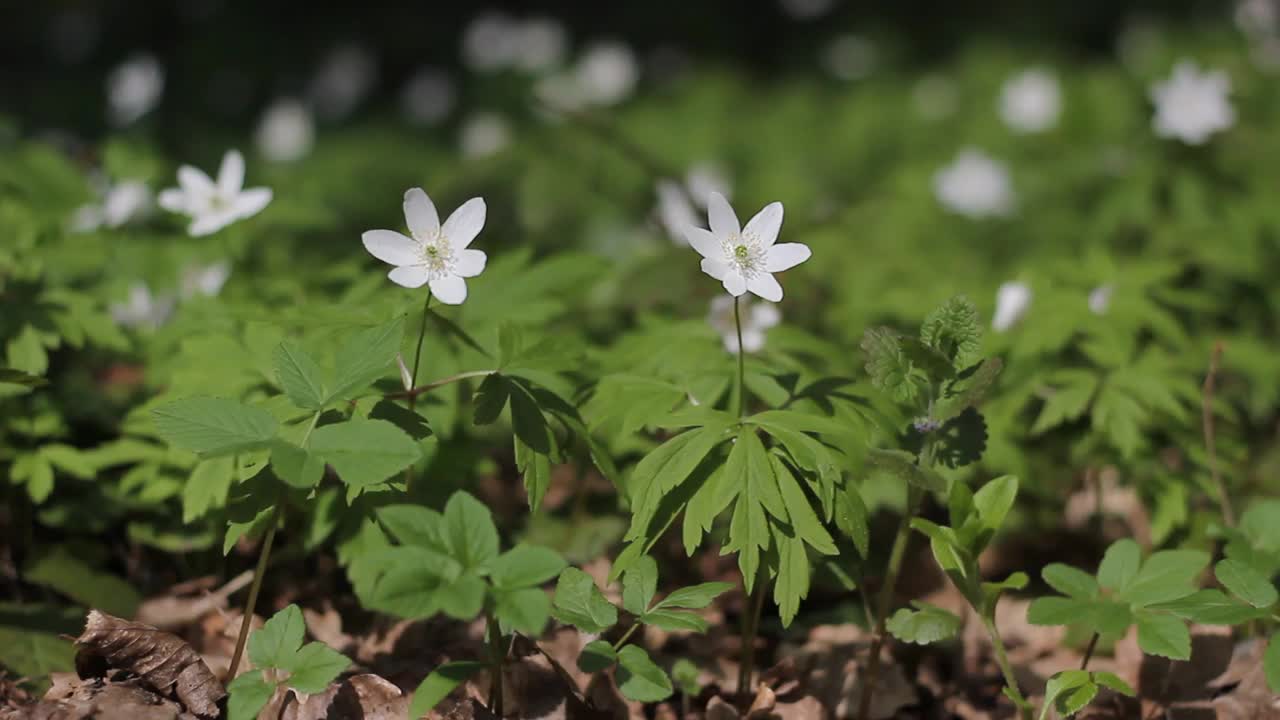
[[1210, 444]]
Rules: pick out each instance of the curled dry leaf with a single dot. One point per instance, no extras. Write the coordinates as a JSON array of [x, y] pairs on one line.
[[71, 698], [162, 660]]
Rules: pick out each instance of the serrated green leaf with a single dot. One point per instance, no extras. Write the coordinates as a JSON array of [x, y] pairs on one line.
[[214, 426], [299, 376], [994, 500], [597, 655], [1114, 682], [639, 679], [490, 398], [1166, 575], [791, 586], [364, 357], [1058, 685], [953, 330], [1211, 607], [1120, 564], [1070, 581], [694, 597], [675, 620], [437, 685], [526, 610], [277, 641], [207, 487], [247, 695], [414, 525], [1247, 583], [1057, 611], [364, 452], [887, 364], [469, 532], [525, 566], [924, 625], [314, 666], [852, 518], [1164, 635], [804, 521], [462, 598], [968, 390], [295, 466], [580, 603], [639, 585], [1076, 700]]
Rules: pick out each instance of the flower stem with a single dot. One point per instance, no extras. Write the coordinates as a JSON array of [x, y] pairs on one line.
[[413, 380], [750, 626], [737, 322], [1002, 659], [497, 656], [1088, 652]]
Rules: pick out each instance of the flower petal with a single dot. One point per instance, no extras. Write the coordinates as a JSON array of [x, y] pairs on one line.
[[766, 287], [196, 184], [470, 263], [765, 315], [411, 276], [707, 245], [734, 283], [724, 222], [752, 340], [231, 173], [715, 268], [766, 224], [450, 289], [173, 200], [786, 256], [420, 214], [464, 224], [392, 248], [208, 223], [251, 202]]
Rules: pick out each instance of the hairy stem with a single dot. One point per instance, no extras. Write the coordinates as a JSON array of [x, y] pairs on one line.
[[1088, 651], [1210, 441], [750, 626], [413, 378], [497, 658], [1002, 659], [737, 322]]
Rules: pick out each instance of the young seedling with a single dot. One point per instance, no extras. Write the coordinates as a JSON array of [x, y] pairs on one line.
[[450, 563], [1253, 560], [579, 602], [280, 659]]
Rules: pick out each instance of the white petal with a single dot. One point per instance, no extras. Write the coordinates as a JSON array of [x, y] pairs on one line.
[[392, 248], [420, 214], [752, 340], [714, 268], [724, 222], [765, 315], [209, 223], [251, 202], [196, 184], [786, 256], [464, 224], [470, 263], [734, 284], [766, 224], [414, 276], [451, 289], [731, 341], [173, 200], [231, 173], [766, 287], [704, 242]]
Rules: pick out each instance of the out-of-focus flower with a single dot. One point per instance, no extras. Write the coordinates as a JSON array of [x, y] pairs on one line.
[[541, 44], [134, 88], [1013, 299], [935, 97], [435, 255], [495, 41], [121, 203], [1031, 101], [428, 97], [1259, 20], [704, 180], [676, 202], [206, 280], [607, 73], [213, 206], [757, 317], [1100, 299], [1192, 104], [744, 259], [974, 185], [342, 82], [142, 309], [806, 9], [483, 134], [286, 132], [849, 57]]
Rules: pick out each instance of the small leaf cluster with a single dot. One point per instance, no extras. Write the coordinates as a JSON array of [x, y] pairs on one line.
[[1070, 691], [581, 603], [280, 659]]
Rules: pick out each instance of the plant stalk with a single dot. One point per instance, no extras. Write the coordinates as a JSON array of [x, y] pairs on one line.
[[626, 636], [750, 627], [737, 323], [498, 655], [413, 379], [1088, 651], [423, 389], [1010, 680]]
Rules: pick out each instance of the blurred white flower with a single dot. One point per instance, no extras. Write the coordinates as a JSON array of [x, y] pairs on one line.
[[215, 205], [286, 132], [1031, 101], [1013, 299], [704, 180], [428, 97], [606, 73], [541, 44], [1192, 104], [1100, 299], [495, 41], [121, 203], [342, 82], [142, 309], [974, 185], [744, 259], [435, 255], [935, 97], [849, 57], [676, 202], [757, 317], [134, 88], [206, 280], [483, 134], [806, 9], [1257, 17]]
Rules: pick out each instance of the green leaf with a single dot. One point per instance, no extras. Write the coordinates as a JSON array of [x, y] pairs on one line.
[[463, 597], [207, 487], [953, 330], [927, 624], [299, 376], [902, 465], [1247, 584], [1070, 581], [526, 610], [804, 521], [1271, 663], [1113, 681], [580, 603], [66, 572], [596, 656], [469, 532], [853, 519], [17, 377], [993, 501], [1057, 611], [675, 620], [214, 426], [490, 398], [364, 452], [535, 469], [639, 585], [685, 674], [1076, 700], [639, 679], [1166, 575], [439, 683], [248, 694], [525, 566], [968, 390], [887, 364], [1120, 564], [792, 583], [364, 357], [1211, 607], [314, 666], [36, 471], [278, 640], [33, 638], [412, 578], [414, 525], [1164, 635], [664, 469], [694, 597], [1058, 685], [294, 465]]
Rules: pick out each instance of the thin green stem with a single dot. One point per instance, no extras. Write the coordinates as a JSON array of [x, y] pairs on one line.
[[1088, 651], [626, 636], [425, 388], [497, 657], [737, 322], [751, 626], [1002, 659], [413, 378]]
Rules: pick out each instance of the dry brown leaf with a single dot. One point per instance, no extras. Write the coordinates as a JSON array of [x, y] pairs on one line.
[[719, 709], [71, 698], [763, 704], [172, 611], [829, 663], [162, 660]]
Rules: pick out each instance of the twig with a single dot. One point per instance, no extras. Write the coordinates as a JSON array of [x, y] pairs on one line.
[[1210, 444]]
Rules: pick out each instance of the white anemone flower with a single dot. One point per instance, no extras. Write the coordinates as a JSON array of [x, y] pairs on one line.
[[122, 202], [435, 255], [1100, 299], [142, 309], [483, 134], [1031, 101], [606, 73], [757, 317], [1192, 104], [1013, 299], [215, 205], [206, 280], [745, 258], [134, 88], [974, 185], [286, 132]]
